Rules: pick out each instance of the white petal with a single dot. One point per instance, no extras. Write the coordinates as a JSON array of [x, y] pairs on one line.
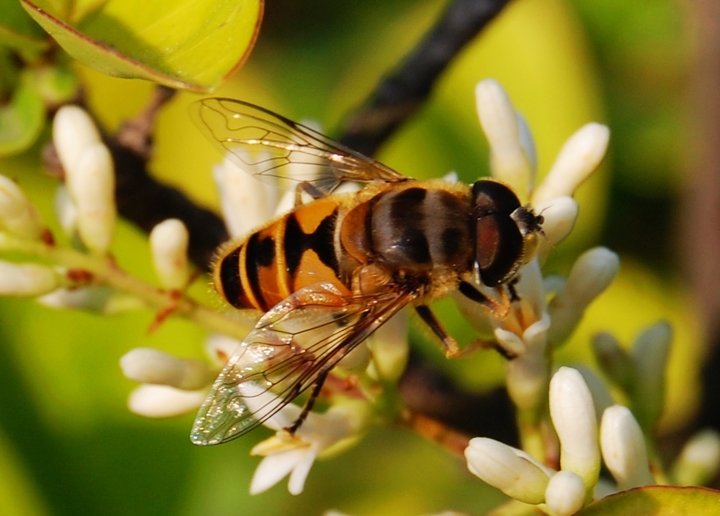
[[158, 401], [578, 158], [152, 366], [273, 468], [300, 472]]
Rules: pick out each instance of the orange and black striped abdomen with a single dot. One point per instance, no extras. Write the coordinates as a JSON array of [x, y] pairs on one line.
[[290, 253]]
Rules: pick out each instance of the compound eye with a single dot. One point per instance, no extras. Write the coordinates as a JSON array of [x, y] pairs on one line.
[[492, 197], [499, 249]]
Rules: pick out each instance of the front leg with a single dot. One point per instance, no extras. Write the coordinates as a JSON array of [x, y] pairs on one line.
[[452, 350]]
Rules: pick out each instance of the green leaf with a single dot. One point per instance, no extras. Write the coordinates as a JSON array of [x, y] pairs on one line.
[[657, 501], [18, 30], [186, 44], [21, 120], [56, 84]]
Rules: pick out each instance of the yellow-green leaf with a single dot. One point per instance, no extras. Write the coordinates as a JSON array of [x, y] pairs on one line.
[[21, 120], [18, 30], [190, 44], [657, 501]]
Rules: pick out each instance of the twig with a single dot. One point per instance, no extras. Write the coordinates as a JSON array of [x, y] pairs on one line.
[[403, 91]]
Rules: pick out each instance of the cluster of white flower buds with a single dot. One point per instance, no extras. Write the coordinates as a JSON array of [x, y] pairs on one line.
[[89, 179], [20, 220], [533, 323], [565, 491]]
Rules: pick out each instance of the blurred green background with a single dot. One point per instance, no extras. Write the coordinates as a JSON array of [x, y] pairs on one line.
[[69, 446]]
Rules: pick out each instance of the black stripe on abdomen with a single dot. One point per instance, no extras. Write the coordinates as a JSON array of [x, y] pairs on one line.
[[320, 241], [260, 253], [229, 279]]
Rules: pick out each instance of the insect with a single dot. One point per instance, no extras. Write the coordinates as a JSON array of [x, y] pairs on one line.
[[333, 270]]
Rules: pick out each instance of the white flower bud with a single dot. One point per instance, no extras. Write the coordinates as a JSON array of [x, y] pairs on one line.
[[526, 376], [528, 144], [623, 448], [500, 466], [152, 366], [578, 158], [565, 493], [699, 459], [158, 401], [91, 183], [73, 132], [246, 202], [17, 214], [560, 214], [169, 244], [27, 279], [65, 210], [508, 160], [100, 299], [573, 415], [650, 355], [590, 275]]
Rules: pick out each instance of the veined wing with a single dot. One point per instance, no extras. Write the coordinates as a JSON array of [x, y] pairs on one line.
[[297, 341], [268, 145]]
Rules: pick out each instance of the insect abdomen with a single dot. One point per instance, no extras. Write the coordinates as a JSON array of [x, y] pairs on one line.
[[418, 229], [290, 253]]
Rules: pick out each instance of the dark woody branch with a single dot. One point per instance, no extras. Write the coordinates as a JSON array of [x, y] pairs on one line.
[[403, 91]]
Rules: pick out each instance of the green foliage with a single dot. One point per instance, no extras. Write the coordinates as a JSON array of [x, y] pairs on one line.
[[188, 45], [192, 45], [657, 501]]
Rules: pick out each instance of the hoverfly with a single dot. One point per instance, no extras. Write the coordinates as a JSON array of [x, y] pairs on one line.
[[333, 270]]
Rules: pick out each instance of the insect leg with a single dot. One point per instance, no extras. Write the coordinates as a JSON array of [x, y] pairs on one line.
[[308, 188], [449, 343], [308, 404], [512, 290], [499, 308]]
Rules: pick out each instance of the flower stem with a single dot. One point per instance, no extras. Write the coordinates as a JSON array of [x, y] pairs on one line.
[[105, 271], [437, 432]]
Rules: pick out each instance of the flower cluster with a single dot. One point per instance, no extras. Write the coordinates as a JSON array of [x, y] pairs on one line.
[[558, 472]]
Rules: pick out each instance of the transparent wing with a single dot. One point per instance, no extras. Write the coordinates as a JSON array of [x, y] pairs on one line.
[[268, 145], [301, 338]]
